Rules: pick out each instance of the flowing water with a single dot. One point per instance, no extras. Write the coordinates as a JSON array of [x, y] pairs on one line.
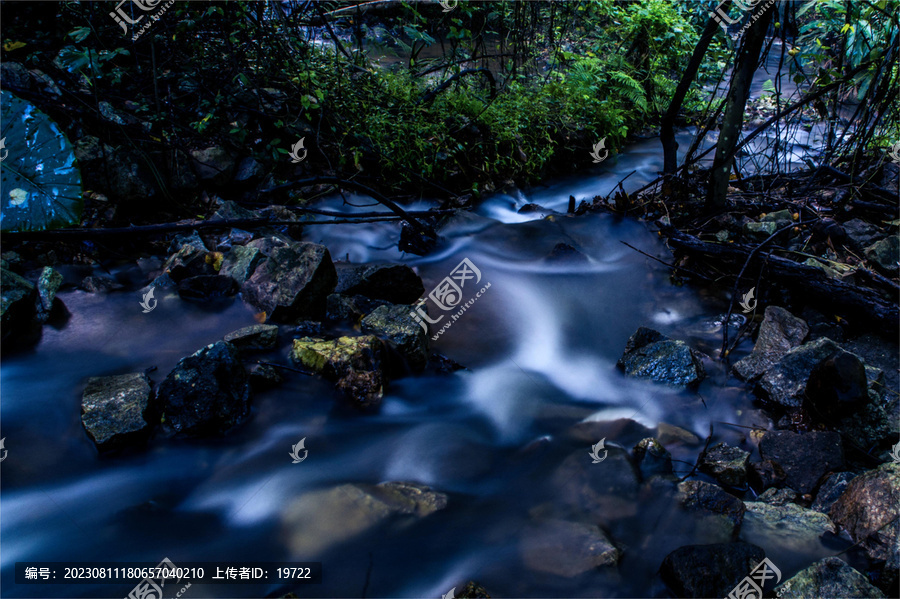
[[540, 347]]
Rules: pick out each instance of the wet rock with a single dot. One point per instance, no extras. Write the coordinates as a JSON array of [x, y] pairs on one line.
[[17, 296], [563, 252], [257, 336], [266, 244], [293, 283], [192, 239], [778, 496], [766, 474], [651, 355], [875, 424], [781, 218], [785, 383], [533, 208], [350, 308], [240, 263], [779, 332], [669, 433], [248, 171], [365, 389], [213, 164], [790, 525], [472, 590], [829, 577], [394, 283], [444, 365], [861, 234], [720, 513], [308, 328], [869, 510], [99, 284], [354, 362], [394, 325], [837, 386], [264, 376], [206, 288], [709, 570], [188, 261], [566, 548], [47, 286], [760, 231], [207, 392], [319, 520], [607, 490], [652, 458], [231, 238], [114, 409], [885, 253], [805, 458], [229, 210], [727, 464], [832, 488]]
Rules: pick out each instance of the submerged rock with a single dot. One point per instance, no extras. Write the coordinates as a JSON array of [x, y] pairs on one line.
[[829, 577], [394, 325], [652, 458], [293, 282], [114, 410], [394, 283], [257, 336], [719, 513], [207, 392], [651, 355], [709, 570], [804, 458], [869, 510], [727, 464], [607, 490], [790, 526], [354, 362], [566, 548], [779, 332]]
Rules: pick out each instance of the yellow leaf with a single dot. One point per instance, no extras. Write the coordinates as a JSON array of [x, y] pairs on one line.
[[260, 317], [10, 46]]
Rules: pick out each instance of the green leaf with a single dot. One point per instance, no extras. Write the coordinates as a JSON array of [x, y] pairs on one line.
[[40, 184]]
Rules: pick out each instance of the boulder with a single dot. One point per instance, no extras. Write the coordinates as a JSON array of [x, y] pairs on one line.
[[100, 283], [207, 392], [240, 262], [669, 433], [709, 570], [760, 231], [719, 514], [566, 548], [293, 282], [354, 362], [652, 458], [394, 283], [790, 526], [885, 253], [350, 308], [257, 336], [829, 577], [17, 297], [778, 496], [785, 382], [832, 488], [206, 288], [114, 410], [766, 474], [869, 510], [213, 164], [651, 355], [607, 490], [48, 284], [779, 333], [837, 386], [861, 234], [394, 325], [727, 464], [189, 261], [804, 458]]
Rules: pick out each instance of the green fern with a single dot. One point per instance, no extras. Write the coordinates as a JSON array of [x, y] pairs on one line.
[[630, 89]]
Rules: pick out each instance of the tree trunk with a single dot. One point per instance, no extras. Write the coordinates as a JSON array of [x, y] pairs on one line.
[[667, 129], [735, 103]]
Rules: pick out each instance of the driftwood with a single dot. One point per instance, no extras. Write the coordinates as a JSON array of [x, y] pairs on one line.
[[859, 303]]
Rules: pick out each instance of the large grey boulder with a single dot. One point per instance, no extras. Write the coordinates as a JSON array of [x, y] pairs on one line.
[[779, 333], [829, 577], [114, 410], [869, 510]]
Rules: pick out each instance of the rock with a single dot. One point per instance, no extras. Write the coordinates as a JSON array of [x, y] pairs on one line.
[[114, 410], [565, 253], [257, 336], [778, 496], [766, 474], [837, 386], [322, 519], [566, 548], [394, 283], [394, 325], [207, 392], [231, 238], [205, 288], [130, 181], [829, 577], [875, 424], [192, 239], [48, 284], [444, 365], [719, 513], [365, 389], [669, 433], [99, 284], [248, 171], [608, 490], [263, 376], [17, 297], [652, 458], [240, 263], [350, 308], [709, 570], [869, 510], [805, 458], [651, 355], [293, 282], [760, 231], [832, 488], [781, 218], [229, 210], [861, 234], [213, 164], [726, 464], [354, 362], [885, 253], [266, 244], [188, 261], [785, 383], [788, 525], [779, 332], [472, 590]]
